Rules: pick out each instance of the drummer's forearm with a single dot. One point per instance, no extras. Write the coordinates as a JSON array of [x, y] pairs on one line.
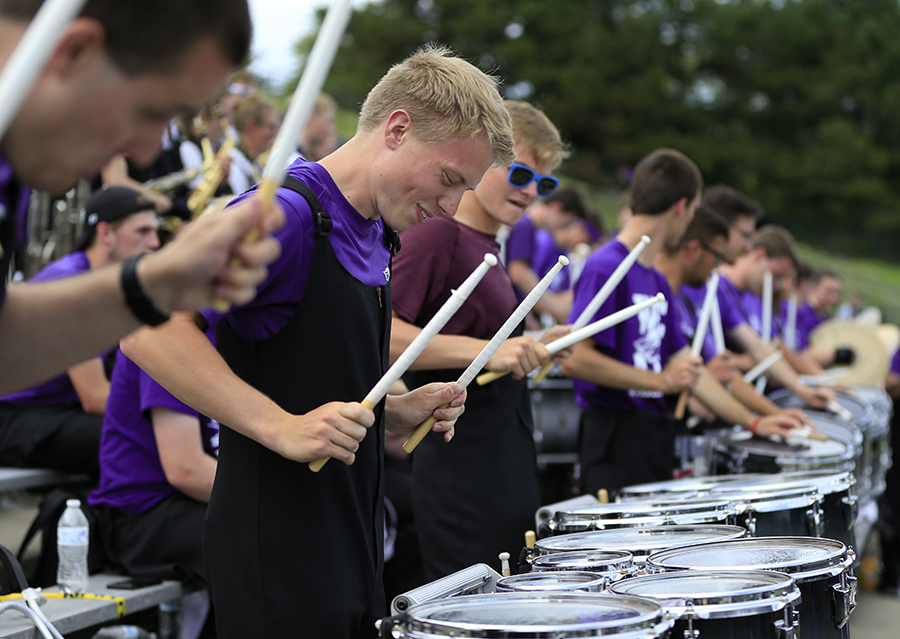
[[180, 358], [709, 391], [747, 395], [443, 351], [590, 365], [892, 385]]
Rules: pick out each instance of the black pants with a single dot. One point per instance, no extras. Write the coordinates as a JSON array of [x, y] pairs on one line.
[[623, 448], [889, 511], [165, 542], [62, 437]]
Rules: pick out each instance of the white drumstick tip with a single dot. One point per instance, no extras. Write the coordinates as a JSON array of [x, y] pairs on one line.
[[563, 260], [490, 259]]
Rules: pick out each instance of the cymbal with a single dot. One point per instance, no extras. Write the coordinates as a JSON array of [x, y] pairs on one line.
[[871, 360]]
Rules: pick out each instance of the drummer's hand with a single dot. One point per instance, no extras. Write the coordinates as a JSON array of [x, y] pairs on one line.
[[333, 430], [722, 367], [780, 424], [682, 372], [799, 414], [445, 402], [818, 397], [554, 334], [518, 356]]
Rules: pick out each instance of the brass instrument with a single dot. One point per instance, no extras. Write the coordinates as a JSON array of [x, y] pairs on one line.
[[211, 180], [54, 226], [168, 183]]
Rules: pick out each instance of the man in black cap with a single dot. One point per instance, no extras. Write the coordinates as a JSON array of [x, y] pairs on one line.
[[57, 424]]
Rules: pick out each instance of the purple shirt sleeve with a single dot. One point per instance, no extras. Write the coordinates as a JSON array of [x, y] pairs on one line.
[[520, 245]]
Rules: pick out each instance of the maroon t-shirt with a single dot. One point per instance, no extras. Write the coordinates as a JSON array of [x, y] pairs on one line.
[[435, 258]]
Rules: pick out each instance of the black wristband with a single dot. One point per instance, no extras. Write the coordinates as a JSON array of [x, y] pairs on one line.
[[135, 297]]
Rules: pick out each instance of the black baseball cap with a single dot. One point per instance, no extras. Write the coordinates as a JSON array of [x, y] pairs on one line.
[[109, 204]]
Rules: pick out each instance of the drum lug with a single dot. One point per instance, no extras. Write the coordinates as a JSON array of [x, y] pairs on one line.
[[851, 510], [784, 629], [814, 523], [689, 614], [844, 599], [750, 522]]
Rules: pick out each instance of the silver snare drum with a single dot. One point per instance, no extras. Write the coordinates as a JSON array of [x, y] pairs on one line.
[[559, 581], [643, 513], [820, 567], [775, 510], [710, 604], [517, 615], [640, 542], [610, 566]]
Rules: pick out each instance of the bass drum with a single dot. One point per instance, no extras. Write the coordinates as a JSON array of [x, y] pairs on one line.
[[712, 604], [860, 413], [518, 615], [640, 542], [839, 501], [741, 452], [643, 513], [821, 569]]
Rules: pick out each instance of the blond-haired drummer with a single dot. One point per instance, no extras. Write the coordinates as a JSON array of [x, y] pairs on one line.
[[291, 552]]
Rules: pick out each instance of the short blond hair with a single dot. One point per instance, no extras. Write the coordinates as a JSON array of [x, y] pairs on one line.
[[446, 97], [253, 107], [533, 129], [325, 104]]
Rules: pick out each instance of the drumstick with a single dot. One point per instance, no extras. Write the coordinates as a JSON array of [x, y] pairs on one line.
[[530, 538], [806, 433], [840, 411], [31, 55], [415, 348], [602, 295], [712, 289], [751, 375], [766, 321], [496, 341], [316, 69], [790, 329], [718, 332], [590, 330]]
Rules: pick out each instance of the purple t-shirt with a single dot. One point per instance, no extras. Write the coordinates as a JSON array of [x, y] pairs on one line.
[[520, 245], [13, 212], [546, 255], [357, 242], [688, 314], [58, 390], [436, 257], [807, 320], [895, 363], [132, 479], [645, 341], [730, 299]]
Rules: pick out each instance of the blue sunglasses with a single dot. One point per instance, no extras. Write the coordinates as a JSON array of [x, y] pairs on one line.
[[521, 176]]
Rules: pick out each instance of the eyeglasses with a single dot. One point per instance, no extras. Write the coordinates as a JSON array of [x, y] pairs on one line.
[[521, 176], [720, 257]]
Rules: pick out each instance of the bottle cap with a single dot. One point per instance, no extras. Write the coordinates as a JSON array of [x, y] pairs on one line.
[[73, 503]]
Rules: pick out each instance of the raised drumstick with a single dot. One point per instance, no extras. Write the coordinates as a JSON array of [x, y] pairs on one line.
[[314, 72], [496, 341], [415, 348], [712, 289], [605, 291]]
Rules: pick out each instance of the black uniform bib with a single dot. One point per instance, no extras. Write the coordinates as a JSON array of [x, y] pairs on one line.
[[476, 496], [290, 552]]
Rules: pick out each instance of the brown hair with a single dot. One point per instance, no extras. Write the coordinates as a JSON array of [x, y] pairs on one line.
[[706, 226], [778, 242], [253, 107], [662, 179], [154, 35], [731, 204]]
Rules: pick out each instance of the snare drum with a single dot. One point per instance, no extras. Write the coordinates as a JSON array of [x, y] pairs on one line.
[[740, 452], [640, 542], [532, 615], [712, 604], [642, 513], [821, 569], [767, 511], [879, 434], [862, 416], [608, 565], [839, 501], [558, 581], [556, 417], [678, 488]]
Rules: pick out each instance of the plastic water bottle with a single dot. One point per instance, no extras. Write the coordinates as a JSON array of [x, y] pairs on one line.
[[72, 546]]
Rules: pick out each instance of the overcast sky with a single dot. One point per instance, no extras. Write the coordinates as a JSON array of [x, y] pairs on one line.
[[277, 25]]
